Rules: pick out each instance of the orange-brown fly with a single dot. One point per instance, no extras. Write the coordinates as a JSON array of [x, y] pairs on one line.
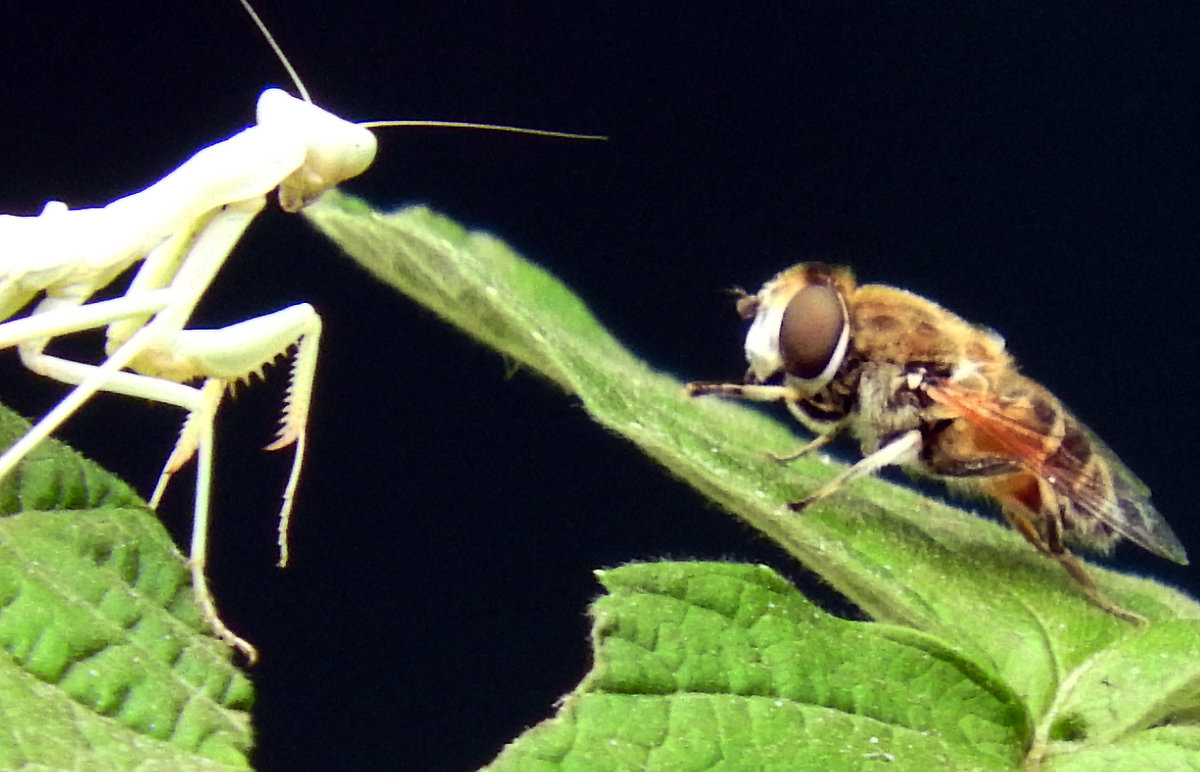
[[921, 388]]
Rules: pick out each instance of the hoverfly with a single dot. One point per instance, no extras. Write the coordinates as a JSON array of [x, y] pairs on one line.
[[921, 388]]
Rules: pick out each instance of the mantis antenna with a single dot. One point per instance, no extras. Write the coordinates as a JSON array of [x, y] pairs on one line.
[[279, 54], [295, 76]]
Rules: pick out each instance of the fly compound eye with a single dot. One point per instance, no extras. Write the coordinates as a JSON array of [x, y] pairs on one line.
[[813, 334]]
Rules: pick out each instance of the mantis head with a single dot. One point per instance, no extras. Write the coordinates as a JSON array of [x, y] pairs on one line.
[[335, 149]]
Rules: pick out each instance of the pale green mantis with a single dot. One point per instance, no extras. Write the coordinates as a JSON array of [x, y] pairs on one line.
[[181, 229]]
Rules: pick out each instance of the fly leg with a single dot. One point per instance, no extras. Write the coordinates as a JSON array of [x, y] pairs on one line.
[[899, 450], [1050, 544]]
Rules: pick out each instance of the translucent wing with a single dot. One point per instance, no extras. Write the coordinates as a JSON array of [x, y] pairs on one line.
[[1031, 427]]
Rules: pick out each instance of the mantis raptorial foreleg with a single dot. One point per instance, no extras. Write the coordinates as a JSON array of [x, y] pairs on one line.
[[231, 354]]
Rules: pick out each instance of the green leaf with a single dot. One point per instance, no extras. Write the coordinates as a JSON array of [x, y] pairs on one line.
[[106, 661], [968, 591], [701, 664]]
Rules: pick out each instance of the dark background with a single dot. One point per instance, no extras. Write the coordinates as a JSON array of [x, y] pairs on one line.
[[1031, 166]]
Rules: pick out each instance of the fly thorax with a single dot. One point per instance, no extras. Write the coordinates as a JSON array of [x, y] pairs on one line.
[[888, 403], [970, 375]]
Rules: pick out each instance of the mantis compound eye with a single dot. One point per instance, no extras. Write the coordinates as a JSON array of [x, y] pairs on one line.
[[811, 332]]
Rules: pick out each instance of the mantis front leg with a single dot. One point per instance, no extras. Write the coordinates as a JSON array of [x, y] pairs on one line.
[[225, 356], [148, 337], [230, 354]]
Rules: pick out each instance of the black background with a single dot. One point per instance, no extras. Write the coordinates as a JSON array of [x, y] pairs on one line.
[[1031, 166]]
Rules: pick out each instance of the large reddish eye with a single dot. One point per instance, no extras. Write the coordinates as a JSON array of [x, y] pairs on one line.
[[810, 331]]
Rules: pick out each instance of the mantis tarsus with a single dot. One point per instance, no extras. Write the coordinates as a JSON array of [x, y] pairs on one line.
[[181, 229]]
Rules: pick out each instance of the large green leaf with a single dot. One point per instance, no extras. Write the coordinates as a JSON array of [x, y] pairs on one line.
[[704, 665], [105, 662], [971, 594]]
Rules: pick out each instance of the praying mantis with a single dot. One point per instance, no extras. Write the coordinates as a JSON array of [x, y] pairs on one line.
[[181, 229]]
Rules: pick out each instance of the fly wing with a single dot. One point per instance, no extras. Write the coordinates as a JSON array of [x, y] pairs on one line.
[[1145, 525], [1029, 425]]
